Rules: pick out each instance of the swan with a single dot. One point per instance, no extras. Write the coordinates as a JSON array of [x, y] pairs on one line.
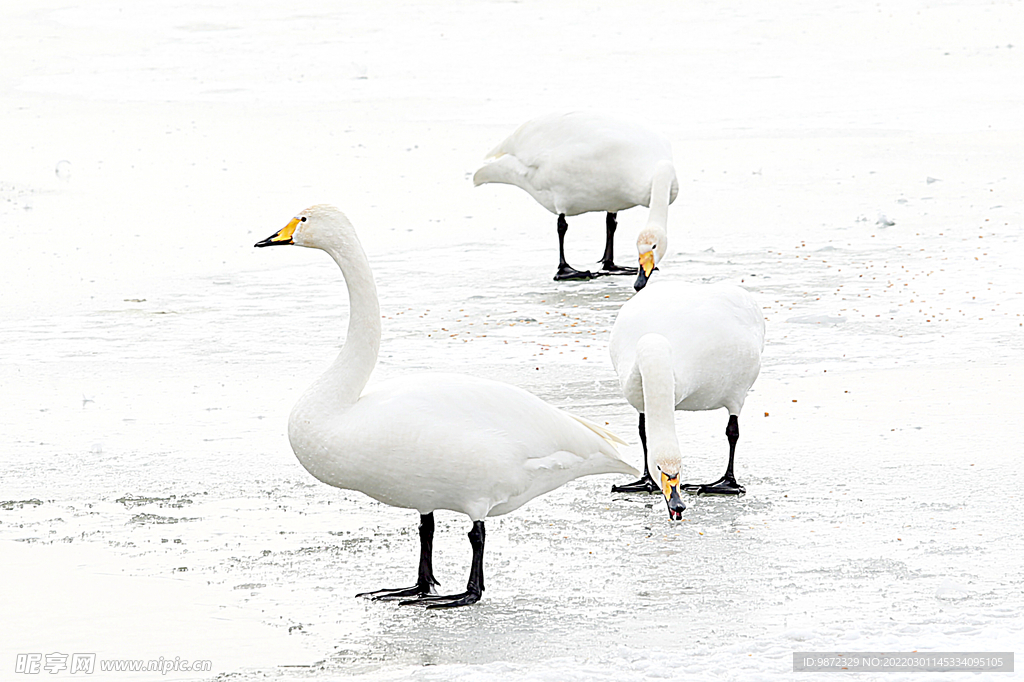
[[581, 162], [428, 441], [681, 346]]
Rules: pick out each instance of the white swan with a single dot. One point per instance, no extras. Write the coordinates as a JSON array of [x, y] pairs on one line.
[[580, 162], [428, 441], [679, 346]]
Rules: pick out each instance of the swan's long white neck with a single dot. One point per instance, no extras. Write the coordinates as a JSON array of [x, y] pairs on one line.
[[654, 361], [343, 383], [661, 194]]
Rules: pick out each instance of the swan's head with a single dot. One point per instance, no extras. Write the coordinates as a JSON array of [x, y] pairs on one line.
[[317, 227], [651, 244], [667, 468]]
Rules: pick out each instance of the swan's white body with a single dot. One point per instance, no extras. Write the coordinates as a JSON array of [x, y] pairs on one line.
[[679, 346], [447, 441], [580, 162], [428, 441]]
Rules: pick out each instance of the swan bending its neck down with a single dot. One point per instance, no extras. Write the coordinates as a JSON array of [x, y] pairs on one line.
[[679, 346], [581, 162], [428, 441]]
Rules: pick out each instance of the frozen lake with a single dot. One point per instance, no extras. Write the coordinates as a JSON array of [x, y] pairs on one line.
[[857, 168]]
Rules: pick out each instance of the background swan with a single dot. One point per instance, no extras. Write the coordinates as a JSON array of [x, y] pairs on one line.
[[580, 162], [428, 441], [680, 346]]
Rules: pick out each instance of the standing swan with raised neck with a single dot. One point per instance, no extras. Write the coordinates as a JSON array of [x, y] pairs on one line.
[[428, 441]]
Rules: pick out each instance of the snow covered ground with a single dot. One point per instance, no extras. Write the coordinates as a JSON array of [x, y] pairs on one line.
[[856, 166]]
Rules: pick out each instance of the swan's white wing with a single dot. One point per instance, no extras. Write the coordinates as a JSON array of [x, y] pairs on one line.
[[448, 441]]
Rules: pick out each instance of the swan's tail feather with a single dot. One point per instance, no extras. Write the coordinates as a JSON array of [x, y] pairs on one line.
[[501, 168], [600, 430]]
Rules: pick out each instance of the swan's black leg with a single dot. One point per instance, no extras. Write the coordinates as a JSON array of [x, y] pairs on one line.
[[727, 484], [646, 484], [475, 586], [608, 266], [566, 271], [425, 579]]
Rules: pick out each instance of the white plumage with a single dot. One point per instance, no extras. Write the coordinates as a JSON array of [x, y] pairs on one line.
[[447, 441], [428, 441], [581, 162], [680, 346]]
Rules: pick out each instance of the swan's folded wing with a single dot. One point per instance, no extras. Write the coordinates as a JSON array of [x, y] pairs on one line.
[[558, 460], [493, 422]]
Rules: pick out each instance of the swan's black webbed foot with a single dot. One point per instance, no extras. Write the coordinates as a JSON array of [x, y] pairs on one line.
[[726, 486], [566, 271], [644, 485], [613, 269], [400, 592], [448, 601]]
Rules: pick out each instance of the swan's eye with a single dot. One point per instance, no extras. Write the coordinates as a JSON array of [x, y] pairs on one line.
[[303, 219]]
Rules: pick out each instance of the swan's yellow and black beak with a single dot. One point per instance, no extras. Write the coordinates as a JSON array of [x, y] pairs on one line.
[[670, 488], [283, 236], [646, 268]]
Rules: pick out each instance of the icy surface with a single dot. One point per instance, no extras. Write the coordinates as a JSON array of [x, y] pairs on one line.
[[857, 167]]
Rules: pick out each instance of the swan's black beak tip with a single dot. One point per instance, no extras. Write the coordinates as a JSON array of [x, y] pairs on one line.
[[676, 506], [641, 279], [273, 240], [676, 509]]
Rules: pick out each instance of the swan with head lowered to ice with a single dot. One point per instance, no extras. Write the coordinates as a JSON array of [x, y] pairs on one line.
[[428, 441], [581, 162], [681, 346]]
